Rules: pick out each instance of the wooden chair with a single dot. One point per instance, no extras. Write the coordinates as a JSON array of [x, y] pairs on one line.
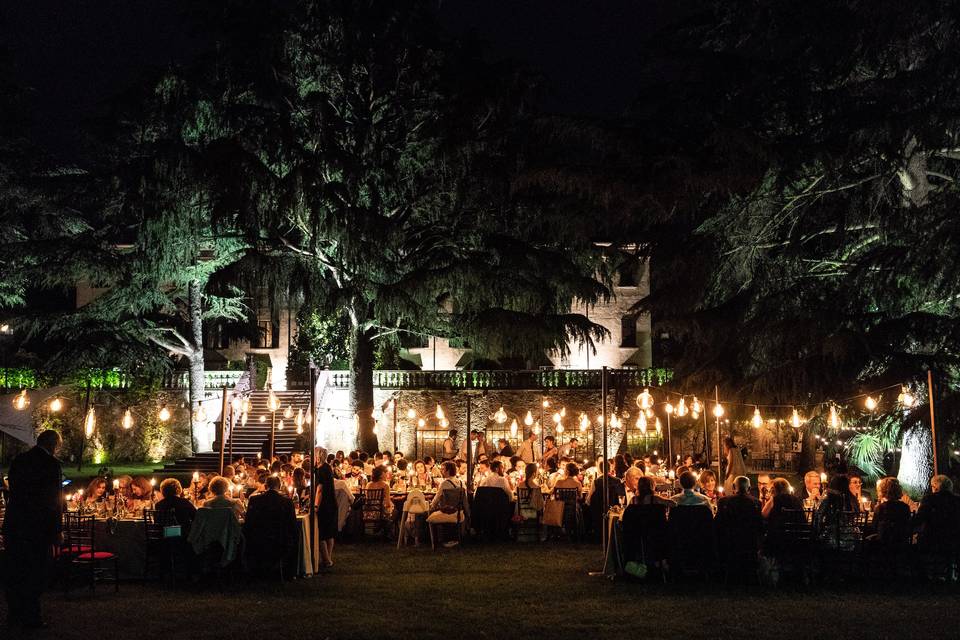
[[572, 516], [373, 515], [796, 540], [455, 498], [81, 552], [525, 525]]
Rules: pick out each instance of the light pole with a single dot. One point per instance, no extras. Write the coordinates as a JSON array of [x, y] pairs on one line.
[[273, 404]]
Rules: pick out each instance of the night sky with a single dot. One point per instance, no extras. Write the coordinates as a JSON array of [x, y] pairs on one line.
[[75, 56]]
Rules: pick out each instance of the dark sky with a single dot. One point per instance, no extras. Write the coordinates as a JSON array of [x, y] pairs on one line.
[[77, 54]]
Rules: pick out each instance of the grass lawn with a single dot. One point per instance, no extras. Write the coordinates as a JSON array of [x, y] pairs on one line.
[[90, 470], [375, 591]]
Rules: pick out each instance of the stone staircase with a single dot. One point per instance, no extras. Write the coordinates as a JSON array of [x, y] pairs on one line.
[[248, 440]]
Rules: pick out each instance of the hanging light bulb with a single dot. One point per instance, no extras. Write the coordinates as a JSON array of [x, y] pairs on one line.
[[584, 422], [536, 429], [299, 429], [21, 401], [263, 418], [870, 403], [308, 417], [696, 407], [127, 421], [280, 425], [444, 423], [56, 405], [440, 414], [644, 399], [411, 414], [649, 413], [657, 425], [528, 419], [288, 412], [642, 422], [164, 414], [559, 428], [718, 410], [397, 429], [563, 412], [243, 418], [514, 427], [273, 403], [834, 419], [500, 416], [906, 398], [757, 420], [795, 420], [557, 418], [421, 423], [298, 420], [90, 422], [245, 405], [682, 407], [546, 404], [668, 408]]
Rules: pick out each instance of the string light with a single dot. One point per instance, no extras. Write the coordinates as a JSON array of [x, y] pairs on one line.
[[642, 422], [718, 410], [795, 420], [546, 404], [528, 419], [263, 418], [440, 415], [21, 401], [500, 416], [834, 419], [668, 408], [757, 420], [584, 422], [658, 426], [559, 428], [557, 418], [299, 420], [56, 405], [682, 407], [421, 423], [411, 414], [870, 403], [514, 427], [273, 403], [280, 425], [127, 421], [164, 414], [644, 399], [288, 412], [906, 398]]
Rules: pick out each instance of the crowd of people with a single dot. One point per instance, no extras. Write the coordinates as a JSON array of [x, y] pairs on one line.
[[660, 506]]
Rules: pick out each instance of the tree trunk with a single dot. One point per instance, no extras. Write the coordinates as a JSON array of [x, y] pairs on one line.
[[361, 386], [916, 460], [195, 359]]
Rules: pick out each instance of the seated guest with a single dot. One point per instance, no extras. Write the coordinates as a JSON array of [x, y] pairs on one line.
[[422, 478], [504, 449], [811, 487], [631, 478], [218, 487], [645, 525], [780, 509], [689, 496], [653, 469], [270, 530], [481, 472], [569, 480], [381, 480], [764, 484], [173, 508], [96, 491], [891, 518], [860, 495], [552, 467], [141, 494], [345, 499], [739, 522], [450, 504], [399, 481], [938, 518], [569, 450], [496, 478], [835, 503], [534, 505], [708, 485]]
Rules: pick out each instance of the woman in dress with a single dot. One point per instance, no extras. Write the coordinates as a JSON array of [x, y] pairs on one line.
[[735, 465], [327, 514]]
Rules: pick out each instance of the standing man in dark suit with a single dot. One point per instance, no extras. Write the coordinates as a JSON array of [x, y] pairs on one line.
[[31, 527], [270, 529]]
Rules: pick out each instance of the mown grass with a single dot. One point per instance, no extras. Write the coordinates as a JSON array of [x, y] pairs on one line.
[[375, 591]]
